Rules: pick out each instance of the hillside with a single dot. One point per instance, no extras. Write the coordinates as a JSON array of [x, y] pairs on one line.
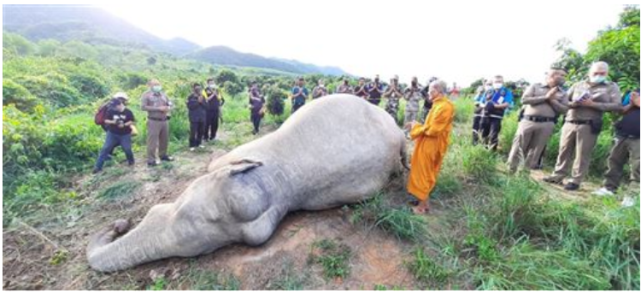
[[95, 26]]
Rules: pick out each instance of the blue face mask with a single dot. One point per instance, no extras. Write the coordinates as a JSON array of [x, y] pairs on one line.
[[597, 79], [156, 88]]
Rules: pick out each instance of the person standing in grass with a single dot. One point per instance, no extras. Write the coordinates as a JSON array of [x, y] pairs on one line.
[[197, 106], [299, 94], [119, 122], [431, 141], [256, 103], [361, 89], [413, 96], [543, 103], [345, 88], [320, 90], [626, 148], [214, 101], [157, 106], [589, 100], [375, 91]]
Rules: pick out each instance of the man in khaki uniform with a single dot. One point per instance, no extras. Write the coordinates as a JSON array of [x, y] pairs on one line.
[[543, 103], [583, 122], [157, 106]]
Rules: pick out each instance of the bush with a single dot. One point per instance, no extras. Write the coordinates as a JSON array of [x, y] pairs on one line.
[[17, 95], [275, 101], [232, 88]]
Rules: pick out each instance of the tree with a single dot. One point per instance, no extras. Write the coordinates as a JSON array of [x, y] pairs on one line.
[[275, 100], [618, 46], [226, 75]]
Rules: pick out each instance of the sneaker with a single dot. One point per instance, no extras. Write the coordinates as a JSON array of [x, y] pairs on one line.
[[192, 149], [167, 159], [627, 202], [603, 192], [152, 164], [552, 180], [201, 146], [571, 186], [96, 171]]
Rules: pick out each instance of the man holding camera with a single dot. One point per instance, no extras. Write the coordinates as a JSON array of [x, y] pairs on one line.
[[543, 103], [118, 122]]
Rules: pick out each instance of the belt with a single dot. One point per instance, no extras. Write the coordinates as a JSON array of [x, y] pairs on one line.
[[538, 118], [579, 122], [157, 119]]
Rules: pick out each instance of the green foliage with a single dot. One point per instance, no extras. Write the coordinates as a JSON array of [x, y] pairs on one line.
[[132, 80], [478, 164], [19, 96], [16, 44], [618, 46], [203, 280], [158, 285], [232, 88], [226, 75], [120, 189], [525, 268], [334, 258], [275, 101], [401, 223], [425, 269]]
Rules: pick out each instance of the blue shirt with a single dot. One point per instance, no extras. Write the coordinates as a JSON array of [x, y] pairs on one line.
[[299, 99]]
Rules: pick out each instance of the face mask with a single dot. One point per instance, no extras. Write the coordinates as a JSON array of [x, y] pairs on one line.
[[376, 80], [198, 90], [212, 86], [559, 81], [488, 87], [597, 79], [156, 88], [498, 85]]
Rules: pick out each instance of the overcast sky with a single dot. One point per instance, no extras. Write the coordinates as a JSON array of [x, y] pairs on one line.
[[455, 41]]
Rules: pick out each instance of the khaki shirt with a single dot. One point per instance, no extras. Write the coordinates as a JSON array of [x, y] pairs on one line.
[[151, 102], [536, 103], [606, 97]]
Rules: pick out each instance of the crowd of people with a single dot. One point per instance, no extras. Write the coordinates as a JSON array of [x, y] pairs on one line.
[[582, 107]]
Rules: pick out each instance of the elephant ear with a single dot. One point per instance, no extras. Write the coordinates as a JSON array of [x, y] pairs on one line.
[[242, 166]]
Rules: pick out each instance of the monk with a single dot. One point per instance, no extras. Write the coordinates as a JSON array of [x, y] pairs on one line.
[[431, 140]]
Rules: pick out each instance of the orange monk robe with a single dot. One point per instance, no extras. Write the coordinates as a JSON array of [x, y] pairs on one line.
[[431, 140]]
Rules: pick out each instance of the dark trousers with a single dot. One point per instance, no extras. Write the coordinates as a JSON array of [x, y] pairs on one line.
[[375, 101], [111, 151], [296, 107], [113, 140], [476, 130], [196, 133], [211, 125], [256, 117], [491, 127]]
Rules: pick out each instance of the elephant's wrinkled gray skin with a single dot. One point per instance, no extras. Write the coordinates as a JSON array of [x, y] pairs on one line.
[[336, 150]]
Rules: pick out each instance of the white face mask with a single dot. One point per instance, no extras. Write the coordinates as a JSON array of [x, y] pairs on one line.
[[498, 85], [488, 87], [597, 79]]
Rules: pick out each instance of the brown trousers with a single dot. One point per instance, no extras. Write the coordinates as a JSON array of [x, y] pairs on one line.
[[529, 142], [575, 149], [623, 149], [157, 139]]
